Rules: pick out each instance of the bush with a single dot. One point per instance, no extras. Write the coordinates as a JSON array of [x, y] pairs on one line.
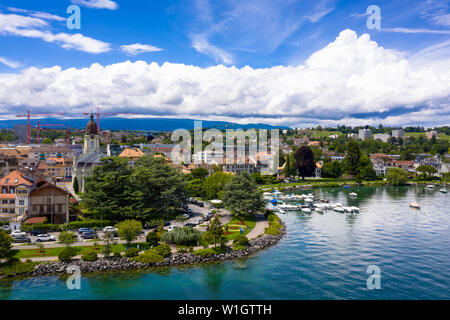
[[149, 256], [272, 231], [152, 238], [117, 255], [182, 236], [44, 227], [131, 252], [204, 253], [15, 267], [240, 240], [182, 249], [89, 256], [163, 250], [67, 254]]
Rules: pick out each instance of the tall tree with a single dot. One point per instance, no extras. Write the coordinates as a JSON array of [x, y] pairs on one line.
[[242, 197], [304, 158], [5, 244], [353, 155], [215, 183]]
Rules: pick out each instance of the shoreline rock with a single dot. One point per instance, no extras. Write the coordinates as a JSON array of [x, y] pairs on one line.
[[176, 259]]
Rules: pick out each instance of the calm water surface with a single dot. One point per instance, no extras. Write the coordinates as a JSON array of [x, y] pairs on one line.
[[323, 256]]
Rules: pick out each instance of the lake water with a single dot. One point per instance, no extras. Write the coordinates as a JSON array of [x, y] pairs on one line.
[[323, 256]]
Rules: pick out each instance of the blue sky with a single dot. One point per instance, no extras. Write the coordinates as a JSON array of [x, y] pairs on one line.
[[274, 39]]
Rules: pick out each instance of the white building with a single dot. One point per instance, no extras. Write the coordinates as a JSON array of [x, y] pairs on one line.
[[364, 134], [398, 133], [381, 136]]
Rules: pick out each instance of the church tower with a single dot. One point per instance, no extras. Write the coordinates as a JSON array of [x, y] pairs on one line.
[[91, 138]]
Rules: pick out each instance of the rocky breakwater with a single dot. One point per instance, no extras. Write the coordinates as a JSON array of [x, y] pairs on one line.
[[176, 259]]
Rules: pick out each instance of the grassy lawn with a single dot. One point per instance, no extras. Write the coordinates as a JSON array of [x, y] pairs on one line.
[[324, 133], [418, 134], [54, 252], [234, 227]]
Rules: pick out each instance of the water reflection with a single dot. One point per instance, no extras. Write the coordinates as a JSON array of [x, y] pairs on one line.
[[213, 276]]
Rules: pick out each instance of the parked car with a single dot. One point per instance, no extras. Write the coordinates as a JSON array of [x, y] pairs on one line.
[[166, 223], [6, 228], [21, 239], [88, 234], [45, 237], [18, 233], [189, 224], [81, 230], [109, 229], [197, 221], [186, 215], [200, 204], [36, 232], [170, 228]]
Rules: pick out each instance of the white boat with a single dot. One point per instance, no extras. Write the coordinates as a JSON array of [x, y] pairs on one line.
[[309, 200], [351, 209], [353, 194], [443, 190], [414, 205], [338, 209], [289, 207], [430, 186], [306, 210], [282, 211]]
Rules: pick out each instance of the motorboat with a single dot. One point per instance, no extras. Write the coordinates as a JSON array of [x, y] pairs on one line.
[[429, 186], [282, 211], [306, 210], [414, 205], [443, 190], [353, 194], [289, 207]]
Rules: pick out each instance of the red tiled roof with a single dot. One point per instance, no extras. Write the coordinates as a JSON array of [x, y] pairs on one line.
[[14, 178], [35, 220]]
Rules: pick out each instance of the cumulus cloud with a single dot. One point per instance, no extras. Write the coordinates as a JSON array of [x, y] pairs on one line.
[[137, 48], [32, 27], [97, 4], [350, 77]]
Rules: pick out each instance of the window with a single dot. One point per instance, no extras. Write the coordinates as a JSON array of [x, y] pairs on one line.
[[4, 190], [21, 202], [41, 208], [34, 207], [59, 208], [12, 190], [49, 200]]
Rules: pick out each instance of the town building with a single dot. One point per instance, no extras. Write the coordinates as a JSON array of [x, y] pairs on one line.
[[91, 156], [49, 201], [431, 134], [364, 134], [51, 151], [131, 153], [398, 134], [113, 150], [381, 136]]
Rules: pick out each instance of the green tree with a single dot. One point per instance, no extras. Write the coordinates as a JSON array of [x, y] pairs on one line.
[[353, 156], [242, 197], [182, 236], [194, 188], [214, 185], [214, 233], [331, 169], [109, 192], [152, 238], [199, 173], [426, 170], [396, 176], [305, 164], [75, 185], [5, 244], [47, 141], [160, 188], [67, 238], [129, 230]]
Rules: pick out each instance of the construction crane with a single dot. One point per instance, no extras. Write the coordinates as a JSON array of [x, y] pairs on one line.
[[46, 125], [28, 116], [98, 114]]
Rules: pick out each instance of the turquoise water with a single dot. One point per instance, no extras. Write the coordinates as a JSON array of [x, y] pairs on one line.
[[323, 256]]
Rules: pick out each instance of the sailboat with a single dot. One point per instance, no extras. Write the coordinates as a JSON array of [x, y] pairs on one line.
[[444, 190]]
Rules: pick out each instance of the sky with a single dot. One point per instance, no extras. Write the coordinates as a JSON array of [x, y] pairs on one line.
[[282, 62]]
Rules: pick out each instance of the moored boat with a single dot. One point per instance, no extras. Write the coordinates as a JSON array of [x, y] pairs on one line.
[[414, 205]]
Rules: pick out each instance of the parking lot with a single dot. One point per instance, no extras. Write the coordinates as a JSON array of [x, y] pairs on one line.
[[197, 215]]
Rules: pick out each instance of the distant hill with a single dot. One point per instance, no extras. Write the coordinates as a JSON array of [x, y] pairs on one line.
[[144, 124]]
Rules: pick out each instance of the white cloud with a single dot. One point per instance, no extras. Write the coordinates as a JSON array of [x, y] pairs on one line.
[[38, 14], [30, 27], [412, 30], [201, 44], [350, 76], [10, 63], [137, 48], [97, 4], [443, 19]]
